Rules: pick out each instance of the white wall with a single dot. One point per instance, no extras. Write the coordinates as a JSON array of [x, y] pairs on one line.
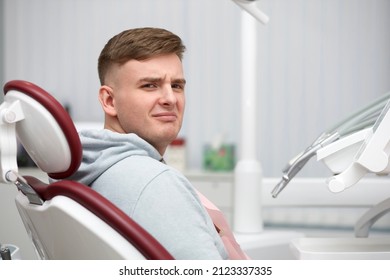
[[318, 61]]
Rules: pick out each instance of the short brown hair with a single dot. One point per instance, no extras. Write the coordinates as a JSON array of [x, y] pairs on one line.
[[139, 44]]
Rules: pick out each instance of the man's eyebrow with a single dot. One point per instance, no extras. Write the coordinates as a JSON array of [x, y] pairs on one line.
[[149, 79], [179, 81], [157, 79]]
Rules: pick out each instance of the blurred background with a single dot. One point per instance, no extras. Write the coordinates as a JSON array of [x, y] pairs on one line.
[[318, 61]]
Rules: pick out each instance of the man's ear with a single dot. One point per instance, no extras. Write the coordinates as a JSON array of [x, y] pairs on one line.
[[106, 99]]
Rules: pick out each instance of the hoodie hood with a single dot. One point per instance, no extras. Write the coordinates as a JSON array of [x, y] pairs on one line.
[[103, 148]]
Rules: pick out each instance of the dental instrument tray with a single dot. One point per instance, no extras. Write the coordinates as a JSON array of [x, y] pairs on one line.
[[352, 148]]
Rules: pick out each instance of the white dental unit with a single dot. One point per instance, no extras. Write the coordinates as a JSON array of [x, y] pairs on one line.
[[353, 148]]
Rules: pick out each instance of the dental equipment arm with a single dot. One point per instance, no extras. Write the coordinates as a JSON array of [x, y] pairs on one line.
[[302, 160], [364, 224], [361, 119], [251, 8], [373, 155]]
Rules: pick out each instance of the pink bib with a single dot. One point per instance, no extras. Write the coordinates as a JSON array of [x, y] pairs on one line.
[[223, 229]]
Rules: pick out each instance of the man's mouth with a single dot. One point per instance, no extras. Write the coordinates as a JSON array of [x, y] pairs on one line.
[[166, 116]]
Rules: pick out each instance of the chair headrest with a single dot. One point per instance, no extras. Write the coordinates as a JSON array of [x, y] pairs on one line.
[[47, 131]]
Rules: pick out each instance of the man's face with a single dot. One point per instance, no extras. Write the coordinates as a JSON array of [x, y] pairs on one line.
[[148, 99]]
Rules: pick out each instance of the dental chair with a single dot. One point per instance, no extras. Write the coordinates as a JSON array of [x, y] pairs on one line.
[[64, 219]]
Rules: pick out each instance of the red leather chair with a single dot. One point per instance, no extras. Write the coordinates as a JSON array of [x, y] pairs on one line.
[[65, 219]]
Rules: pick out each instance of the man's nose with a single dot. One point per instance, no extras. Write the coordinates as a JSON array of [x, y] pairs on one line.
[[168, 96]]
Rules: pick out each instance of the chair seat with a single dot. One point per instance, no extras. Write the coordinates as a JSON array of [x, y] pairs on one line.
[[62, 229]]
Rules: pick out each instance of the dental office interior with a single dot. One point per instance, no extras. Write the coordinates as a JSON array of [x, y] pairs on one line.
[[259, 94]]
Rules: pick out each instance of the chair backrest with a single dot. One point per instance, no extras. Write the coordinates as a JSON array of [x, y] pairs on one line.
[[65, 219]]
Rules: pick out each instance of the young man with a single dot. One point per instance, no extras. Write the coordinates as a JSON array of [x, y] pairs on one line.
[[142, 96]]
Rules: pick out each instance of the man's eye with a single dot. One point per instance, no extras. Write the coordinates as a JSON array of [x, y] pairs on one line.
[[178, 86], [148, 86]]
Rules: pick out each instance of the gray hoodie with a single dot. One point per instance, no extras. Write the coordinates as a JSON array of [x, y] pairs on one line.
[[129, 172]]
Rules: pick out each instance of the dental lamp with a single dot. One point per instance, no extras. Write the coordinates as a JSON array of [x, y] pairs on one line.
[[247, 216], [252, 9]]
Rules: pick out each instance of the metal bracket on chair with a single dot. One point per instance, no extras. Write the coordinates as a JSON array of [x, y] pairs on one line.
[[24, 187], [10, 114]]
